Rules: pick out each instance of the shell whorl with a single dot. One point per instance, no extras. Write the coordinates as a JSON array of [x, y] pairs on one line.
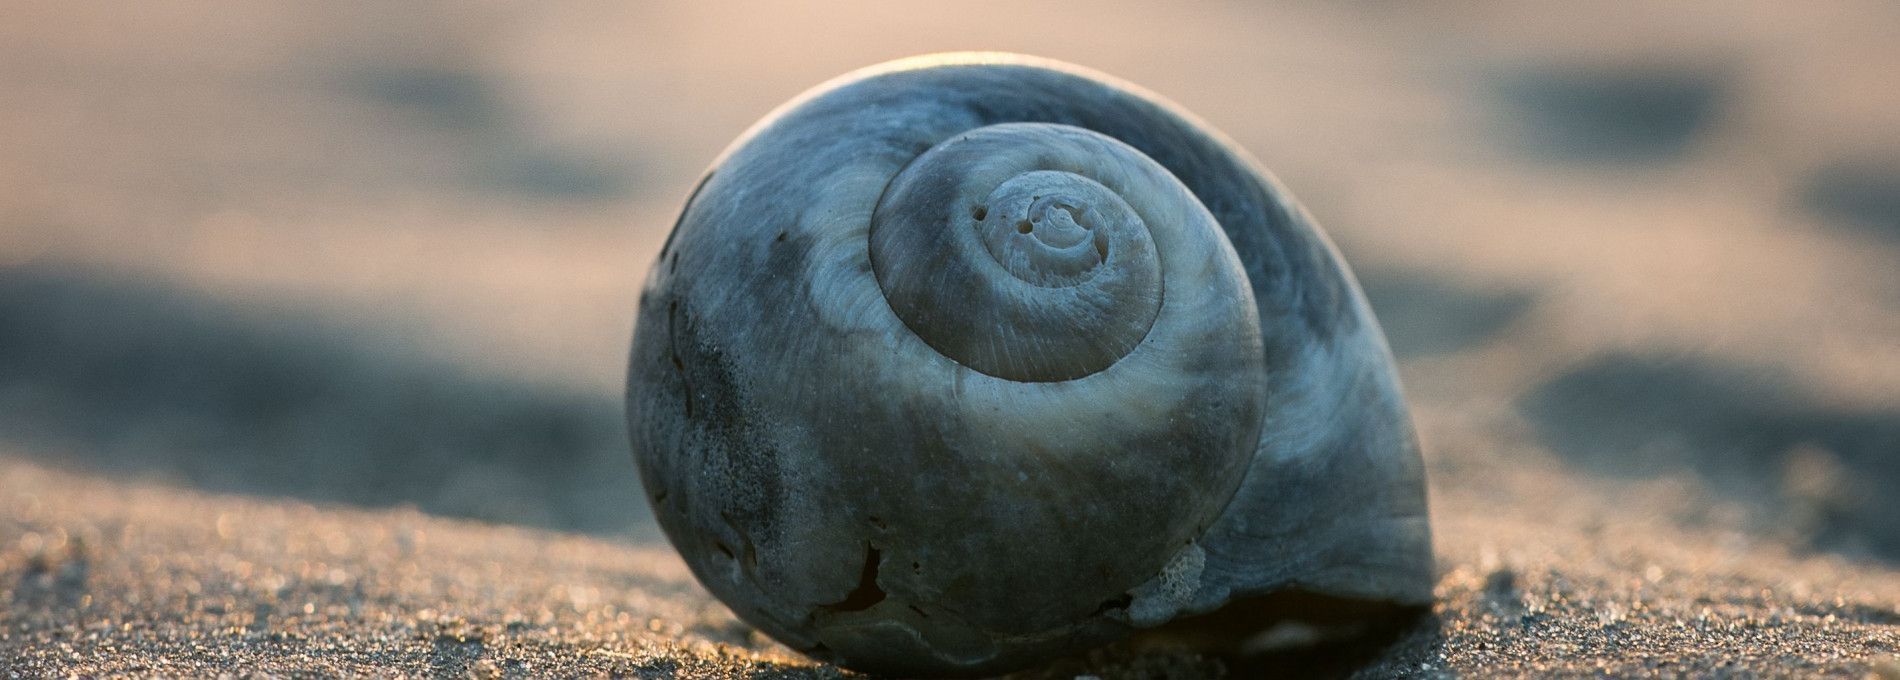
[[1024, 250]]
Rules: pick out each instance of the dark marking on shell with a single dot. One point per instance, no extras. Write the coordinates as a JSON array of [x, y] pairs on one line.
[[741, 470], [867, 594], [666, 247]]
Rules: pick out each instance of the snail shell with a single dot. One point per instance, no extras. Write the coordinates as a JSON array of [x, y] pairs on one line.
[[963, 362]]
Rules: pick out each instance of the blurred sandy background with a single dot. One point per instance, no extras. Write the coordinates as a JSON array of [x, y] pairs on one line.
[[1641, 269]]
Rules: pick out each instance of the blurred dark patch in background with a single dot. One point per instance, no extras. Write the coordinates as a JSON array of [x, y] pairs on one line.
[[1614, 114], [505, 155], [1425, 315], [441, 97], [127, 377], [1824, 476], [1859, 193]]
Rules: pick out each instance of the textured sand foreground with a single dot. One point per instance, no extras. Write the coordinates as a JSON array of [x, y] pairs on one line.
[[109, 578]]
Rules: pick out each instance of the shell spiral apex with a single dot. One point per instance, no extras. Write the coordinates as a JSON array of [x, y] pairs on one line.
[[1003, 249], [955, 365]]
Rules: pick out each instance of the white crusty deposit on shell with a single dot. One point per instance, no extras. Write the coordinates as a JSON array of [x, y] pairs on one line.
[[959, 364]]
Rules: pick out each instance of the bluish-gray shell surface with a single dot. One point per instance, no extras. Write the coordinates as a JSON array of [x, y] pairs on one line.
[[958, 364]]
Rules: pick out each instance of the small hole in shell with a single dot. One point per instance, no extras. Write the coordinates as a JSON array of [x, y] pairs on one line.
[[1119, 603], [980, 212], [1024, 227]]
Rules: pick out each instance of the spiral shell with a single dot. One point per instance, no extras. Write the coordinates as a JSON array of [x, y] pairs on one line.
[[959, 363]]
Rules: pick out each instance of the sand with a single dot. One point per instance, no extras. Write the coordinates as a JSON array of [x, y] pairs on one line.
[[313, 320], [107, 578]]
